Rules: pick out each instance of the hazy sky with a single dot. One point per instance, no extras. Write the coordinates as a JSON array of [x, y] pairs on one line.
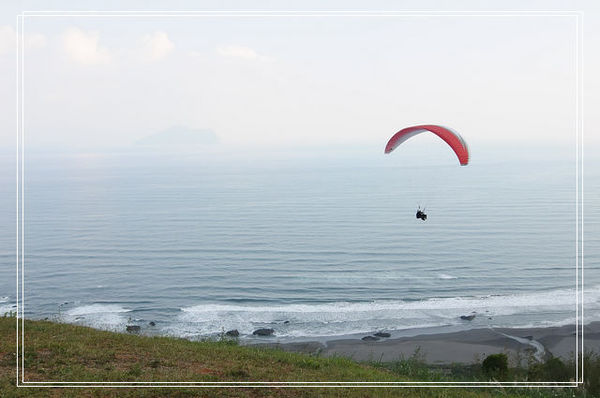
[[103, 83]]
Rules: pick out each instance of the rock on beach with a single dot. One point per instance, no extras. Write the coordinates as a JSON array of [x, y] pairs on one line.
[[263, 332]]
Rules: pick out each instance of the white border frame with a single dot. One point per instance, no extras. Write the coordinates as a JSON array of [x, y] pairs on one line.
[[20, 256]]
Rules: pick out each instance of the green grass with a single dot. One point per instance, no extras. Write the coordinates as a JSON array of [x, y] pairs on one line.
[[62, 352]]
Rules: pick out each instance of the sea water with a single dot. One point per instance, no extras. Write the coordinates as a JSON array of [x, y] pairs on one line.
[[310, 248]]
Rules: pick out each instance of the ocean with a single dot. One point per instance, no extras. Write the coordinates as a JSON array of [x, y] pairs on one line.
[[313, 248]]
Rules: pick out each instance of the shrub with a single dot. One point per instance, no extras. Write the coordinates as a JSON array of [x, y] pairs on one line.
[[495, 365], [591, 376], [552, 369]]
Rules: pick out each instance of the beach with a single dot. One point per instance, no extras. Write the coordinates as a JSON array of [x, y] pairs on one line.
[[465, 347]]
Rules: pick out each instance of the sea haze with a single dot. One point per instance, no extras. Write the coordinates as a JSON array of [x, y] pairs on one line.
[[310, 248]]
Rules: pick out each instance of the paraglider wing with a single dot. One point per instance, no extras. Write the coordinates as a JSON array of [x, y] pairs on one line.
[[452, 138]]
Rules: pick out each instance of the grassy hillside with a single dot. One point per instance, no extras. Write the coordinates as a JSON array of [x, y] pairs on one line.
[[61, 352]]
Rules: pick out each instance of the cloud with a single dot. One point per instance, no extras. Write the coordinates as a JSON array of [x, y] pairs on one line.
[[7, 39], [35, 40], [238, 52], [157, 45], [82, 47]]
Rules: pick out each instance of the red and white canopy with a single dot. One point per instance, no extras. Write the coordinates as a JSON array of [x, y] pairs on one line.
[[452, 138]]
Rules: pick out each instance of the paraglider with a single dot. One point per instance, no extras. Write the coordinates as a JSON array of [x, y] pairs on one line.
[[451, 137], [421, 214]]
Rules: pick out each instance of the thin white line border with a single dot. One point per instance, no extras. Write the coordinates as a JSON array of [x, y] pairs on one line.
[[296, 13]]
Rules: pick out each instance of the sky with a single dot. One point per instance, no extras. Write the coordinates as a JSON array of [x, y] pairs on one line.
[[104, 83]]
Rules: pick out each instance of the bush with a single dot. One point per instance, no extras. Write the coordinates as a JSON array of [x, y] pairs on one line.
[[496, 366], [591, 376], [552, 370]]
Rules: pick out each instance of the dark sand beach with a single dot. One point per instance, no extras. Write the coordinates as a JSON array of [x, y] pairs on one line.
[[469, 346]]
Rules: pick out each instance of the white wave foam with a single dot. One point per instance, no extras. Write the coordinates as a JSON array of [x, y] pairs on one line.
[[532, 301], [96, 309], [101, 316], [341, 318], [446, 276], [6, 308], [542, 323]]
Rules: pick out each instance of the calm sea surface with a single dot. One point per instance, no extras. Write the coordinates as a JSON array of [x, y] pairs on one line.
[[307, 248]]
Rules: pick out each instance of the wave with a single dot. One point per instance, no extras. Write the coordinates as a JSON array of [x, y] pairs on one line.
[[554, 298], [446, 276], [7, 308], [343, 318], [100, 316], [547, 308]]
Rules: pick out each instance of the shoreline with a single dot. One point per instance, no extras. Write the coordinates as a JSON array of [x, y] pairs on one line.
[[439, 345], [58, 354], [465, 347]]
